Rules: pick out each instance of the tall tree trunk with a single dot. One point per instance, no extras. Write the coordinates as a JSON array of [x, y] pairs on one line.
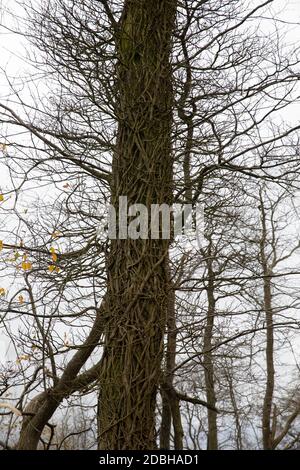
[[138, 278], [167, 377], [267, 431], [268, 398], [170, 400], [236, 411], [212, 438]]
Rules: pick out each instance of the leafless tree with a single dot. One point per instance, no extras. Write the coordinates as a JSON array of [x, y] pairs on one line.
[[162, 102]]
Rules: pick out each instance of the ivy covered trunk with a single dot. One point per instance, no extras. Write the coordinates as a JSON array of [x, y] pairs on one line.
[[138, 281]]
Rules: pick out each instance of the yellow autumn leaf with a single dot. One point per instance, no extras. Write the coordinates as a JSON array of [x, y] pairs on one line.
[[1, 245], [1, 198], [52, 268], [56, 234], [23, 357], [26, 265], [21, 299], [53, 254], [2, 291]]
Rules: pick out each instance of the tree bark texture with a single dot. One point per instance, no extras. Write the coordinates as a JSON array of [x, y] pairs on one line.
[[138, 275]]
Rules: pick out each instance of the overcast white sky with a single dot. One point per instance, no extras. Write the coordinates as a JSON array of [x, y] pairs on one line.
[[12, 46]]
